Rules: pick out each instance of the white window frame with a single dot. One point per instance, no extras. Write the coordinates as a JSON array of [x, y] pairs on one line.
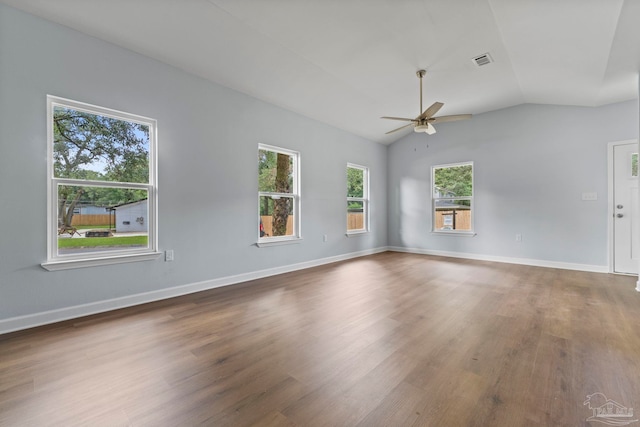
[[296, 237], [56, 261], [434, 199], [364, 199]]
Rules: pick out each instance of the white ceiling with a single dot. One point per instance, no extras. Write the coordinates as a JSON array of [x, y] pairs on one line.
[[348, 62]]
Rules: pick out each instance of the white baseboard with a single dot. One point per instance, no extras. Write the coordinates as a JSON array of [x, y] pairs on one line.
[[508, 260], [38, 319]]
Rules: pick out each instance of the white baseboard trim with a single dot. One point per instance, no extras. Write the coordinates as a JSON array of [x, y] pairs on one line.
[[508, 260], [44, 318]]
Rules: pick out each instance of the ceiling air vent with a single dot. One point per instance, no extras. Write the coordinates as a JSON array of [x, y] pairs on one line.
[[483, 59]]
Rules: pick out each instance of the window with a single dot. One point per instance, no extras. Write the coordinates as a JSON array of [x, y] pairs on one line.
[[278, 195], [357, 199], [453, 198], [102, 193], [634, 164]]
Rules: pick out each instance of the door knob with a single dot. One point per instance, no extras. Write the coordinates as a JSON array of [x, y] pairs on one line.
[[619, 206], [619, 215]]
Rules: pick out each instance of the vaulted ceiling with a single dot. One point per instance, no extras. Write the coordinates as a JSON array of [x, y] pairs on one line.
[[348, 62]]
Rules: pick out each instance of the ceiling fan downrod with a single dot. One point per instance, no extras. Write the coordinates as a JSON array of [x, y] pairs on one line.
[[420, 74]]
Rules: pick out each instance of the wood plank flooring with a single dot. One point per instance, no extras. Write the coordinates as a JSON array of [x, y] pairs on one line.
[[385, 340]]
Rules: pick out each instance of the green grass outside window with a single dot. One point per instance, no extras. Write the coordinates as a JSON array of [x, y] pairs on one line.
[[91, 242]]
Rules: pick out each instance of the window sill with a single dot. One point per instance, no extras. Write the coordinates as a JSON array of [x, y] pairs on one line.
[[356, 233], [456, 233], [267, 243], [94, 262]]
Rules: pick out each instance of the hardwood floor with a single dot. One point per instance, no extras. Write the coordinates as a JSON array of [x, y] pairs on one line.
[[385, 340]]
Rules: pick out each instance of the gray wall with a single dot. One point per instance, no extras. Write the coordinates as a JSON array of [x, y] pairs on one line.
[[208, 139], [531, 165]]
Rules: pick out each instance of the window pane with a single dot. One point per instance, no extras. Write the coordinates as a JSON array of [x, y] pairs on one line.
[[91, 146], [355, 215], [634, 164], [276, 216], [454, 181], [453, 214], [275, 172], [355, 182], [96, 219]]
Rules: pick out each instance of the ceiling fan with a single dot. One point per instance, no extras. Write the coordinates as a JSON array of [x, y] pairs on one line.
[[424, 122]]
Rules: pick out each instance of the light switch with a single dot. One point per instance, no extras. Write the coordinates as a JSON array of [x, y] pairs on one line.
[[589, 196]]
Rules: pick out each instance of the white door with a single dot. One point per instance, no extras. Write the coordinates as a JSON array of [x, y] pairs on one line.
[[626, 235]]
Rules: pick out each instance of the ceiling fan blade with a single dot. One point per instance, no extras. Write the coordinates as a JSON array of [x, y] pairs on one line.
[[433, 109], [401, 127], [430, 129], [399, 118], [453, 118]]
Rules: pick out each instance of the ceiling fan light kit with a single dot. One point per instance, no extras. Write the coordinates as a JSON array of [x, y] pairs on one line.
[[426, 128], [423, 123]]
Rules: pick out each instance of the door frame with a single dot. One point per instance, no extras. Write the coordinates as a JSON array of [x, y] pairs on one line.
[[610, 210]]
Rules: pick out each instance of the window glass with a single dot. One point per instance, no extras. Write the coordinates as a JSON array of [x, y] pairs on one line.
[[95, 147], [355, 182], [280, 208], [452, 197], [275, 172]]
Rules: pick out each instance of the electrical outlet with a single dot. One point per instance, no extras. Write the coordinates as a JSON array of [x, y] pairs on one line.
[[518, 237], [168, 255], [324, 237]]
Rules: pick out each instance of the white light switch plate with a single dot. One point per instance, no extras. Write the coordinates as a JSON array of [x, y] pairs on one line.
[[589, 196]]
